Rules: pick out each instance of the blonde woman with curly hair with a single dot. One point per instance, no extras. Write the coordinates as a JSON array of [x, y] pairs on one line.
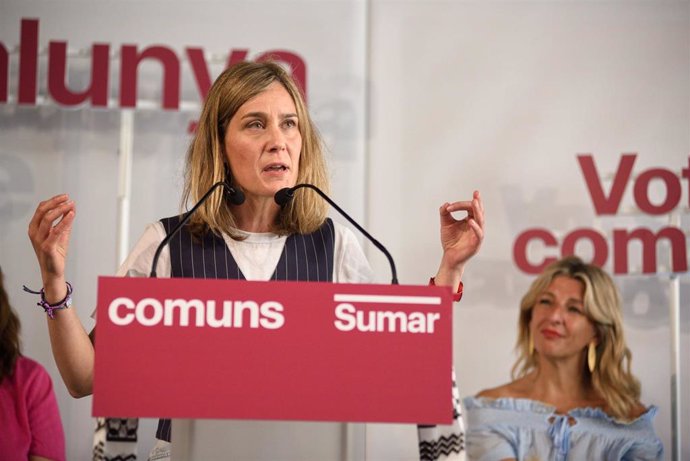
[[573, 394]]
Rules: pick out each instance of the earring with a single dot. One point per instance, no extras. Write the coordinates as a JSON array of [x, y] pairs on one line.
[[530, 345], [592, 356]]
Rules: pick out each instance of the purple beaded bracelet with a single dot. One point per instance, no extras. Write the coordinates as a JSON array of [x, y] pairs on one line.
[[51, 308]]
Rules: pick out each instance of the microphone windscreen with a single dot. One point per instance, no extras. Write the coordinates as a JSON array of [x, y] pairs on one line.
[[283, 196], [235, 196]]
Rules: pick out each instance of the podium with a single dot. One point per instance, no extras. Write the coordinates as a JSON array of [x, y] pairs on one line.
[[202, 350]]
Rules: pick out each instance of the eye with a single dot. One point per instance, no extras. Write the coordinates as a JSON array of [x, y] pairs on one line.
[[290, 123], [574, 309], [255, 124], [544, 301]]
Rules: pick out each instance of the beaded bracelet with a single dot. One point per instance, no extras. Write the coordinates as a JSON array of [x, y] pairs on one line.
[[457, 296], [51, 308]]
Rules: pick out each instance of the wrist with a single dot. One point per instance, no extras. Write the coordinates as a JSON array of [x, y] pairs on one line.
[[457, 295], [450, 267], [49, 306], [449, 275], [54, 289]]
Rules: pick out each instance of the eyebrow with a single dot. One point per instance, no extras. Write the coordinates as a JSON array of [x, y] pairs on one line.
[[263, 115], [551, 295]]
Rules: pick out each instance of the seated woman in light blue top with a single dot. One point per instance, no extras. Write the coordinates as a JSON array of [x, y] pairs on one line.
[[574, 397]]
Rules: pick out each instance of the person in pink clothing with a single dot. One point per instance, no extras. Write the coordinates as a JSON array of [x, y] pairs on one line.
[[30, 425]]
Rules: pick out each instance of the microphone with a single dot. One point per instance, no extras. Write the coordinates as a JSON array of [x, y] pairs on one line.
[[283, 196], [234, 196]]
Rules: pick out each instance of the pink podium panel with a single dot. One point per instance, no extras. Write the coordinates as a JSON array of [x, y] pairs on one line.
[[189, 348]]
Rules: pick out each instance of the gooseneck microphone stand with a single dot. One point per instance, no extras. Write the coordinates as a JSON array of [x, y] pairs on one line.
[[283, 196]]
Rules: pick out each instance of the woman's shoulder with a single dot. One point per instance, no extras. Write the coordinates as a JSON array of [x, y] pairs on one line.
[[498, 392], [29, 373], [341, 230], [639, 410], [26, 366], [518, 396], [638, 416], [511, 396], [518, 389]]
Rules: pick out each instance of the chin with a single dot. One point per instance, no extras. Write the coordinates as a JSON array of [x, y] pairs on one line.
[[273, 189], [282, 185]]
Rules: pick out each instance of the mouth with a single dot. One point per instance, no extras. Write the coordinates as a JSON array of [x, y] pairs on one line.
[[550, 334], [275, 167]]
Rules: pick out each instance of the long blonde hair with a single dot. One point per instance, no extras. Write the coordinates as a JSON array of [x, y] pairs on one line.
[[612, 378], [205, 163]]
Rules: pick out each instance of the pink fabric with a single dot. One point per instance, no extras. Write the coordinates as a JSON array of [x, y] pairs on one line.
[[29, 418]]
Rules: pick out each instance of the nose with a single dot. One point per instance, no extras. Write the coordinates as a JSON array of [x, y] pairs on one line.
[[555, 314], [276, 138]]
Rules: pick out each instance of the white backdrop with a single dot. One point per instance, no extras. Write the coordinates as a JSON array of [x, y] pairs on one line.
[[420, 103]]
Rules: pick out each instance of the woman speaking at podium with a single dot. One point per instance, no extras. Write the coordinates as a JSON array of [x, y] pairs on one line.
[[254, 133]]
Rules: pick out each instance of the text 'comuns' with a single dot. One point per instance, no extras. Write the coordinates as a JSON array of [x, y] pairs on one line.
[[195, 312]]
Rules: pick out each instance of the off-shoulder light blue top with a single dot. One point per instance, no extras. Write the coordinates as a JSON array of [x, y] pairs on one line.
[[528, 430]]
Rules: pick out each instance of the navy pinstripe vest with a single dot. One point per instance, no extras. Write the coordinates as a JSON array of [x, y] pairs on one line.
[[307, 258]]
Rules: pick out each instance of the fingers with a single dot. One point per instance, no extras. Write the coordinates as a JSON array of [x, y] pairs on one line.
[[43, 229], [478, 230], [465, 205], [64, 227], [478, 208], [474, 208], [45, 207], [46, 227]]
